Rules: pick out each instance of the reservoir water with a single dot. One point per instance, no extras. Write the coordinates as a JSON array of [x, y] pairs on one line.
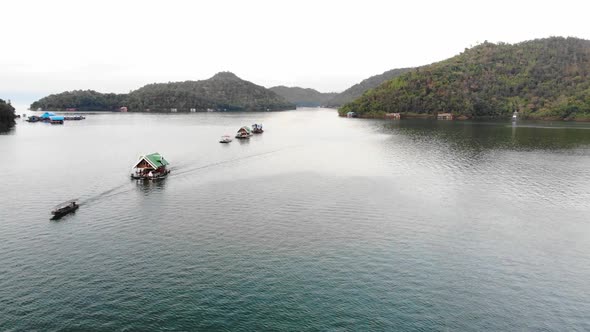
[[320, 223]]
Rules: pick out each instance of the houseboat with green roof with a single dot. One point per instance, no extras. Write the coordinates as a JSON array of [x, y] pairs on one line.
[[244, 132], [150, 167]]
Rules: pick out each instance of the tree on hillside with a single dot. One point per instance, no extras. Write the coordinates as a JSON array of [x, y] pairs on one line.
[[7, 115]]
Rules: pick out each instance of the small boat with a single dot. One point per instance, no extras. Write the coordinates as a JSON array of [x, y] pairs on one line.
[[244, 132], [514, 116], [64, 208], [257, 128], [225, 139], [150, 167], [33, 118]]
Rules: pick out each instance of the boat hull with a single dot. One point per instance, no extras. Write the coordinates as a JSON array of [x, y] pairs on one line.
[[63, 212]]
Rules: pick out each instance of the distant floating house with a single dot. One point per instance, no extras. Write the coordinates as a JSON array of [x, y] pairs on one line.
[[193, 110], [444, 116], [123, 109], [46, 116], [56, 119], [393, 116], [244, 132], [173, 110], [351, 115], [33, 118], [257, 128]]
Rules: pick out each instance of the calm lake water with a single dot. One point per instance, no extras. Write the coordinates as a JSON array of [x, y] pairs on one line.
[[320, 223]]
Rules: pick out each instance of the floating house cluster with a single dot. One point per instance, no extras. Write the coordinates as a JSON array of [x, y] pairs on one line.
[[244, 132], [398, 116], [153, 166], [53, 118]]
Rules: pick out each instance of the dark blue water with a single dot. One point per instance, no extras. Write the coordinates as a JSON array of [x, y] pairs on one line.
[[320, 223]]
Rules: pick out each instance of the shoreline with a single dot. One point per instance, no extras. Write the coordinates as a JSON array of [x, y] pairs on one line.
[[465, 118]]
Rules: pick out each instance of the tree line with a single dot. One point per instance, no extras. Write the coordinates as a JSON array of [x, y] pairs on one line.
[[222, 92]]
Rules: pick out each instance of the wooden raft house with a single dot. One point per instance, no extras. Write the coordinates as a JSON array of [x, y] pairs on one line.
[[393, 116], [244, 132], [444, 116], [257, 128], [150, 167]]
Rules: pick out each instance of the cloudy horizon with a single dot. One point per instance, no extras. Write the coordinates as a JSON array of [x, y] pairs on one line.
[[118, 46]]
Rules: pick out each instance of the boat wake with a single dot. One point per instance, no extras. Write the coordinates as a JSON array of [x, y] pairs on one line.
[[176, 172], [182, 171], [106, 194]]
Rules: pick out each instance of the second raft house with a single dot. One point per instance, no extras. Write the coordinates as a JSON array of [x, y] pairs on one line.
[[244, 132]]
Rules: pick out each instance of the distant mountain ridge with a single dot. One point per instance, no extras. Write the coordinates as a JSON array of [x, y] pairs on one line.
[[358, 89], [541, 79], [303, 97], [223, 92]]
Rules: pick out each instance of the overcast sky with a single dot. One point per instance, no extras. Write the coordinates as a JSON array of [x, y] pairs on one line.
[[117, 46]]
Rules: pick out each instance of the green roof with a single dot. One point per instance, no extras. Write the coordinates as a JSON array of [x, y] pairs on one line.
[[156, 160]]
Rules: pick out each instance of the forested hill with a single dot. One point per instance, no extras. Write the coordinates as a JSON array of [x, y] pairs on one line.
[[303, 97], [358, 89], [543, 78], [7, 116], [223, 92], [82, 100]]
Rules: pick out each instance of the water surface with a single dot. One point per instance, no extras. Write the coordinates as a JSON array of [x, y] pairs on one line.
[[320, 223]]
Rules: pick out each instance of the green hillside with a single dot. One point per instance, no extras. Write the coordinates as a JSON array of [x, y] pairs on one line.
[[358, 89], [83, 100], [542, 79], [223, 92], [303, 97]]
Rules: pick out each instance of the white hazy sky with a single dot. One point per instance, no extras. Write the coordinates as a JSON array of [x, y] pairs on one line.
[[117, 46]]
